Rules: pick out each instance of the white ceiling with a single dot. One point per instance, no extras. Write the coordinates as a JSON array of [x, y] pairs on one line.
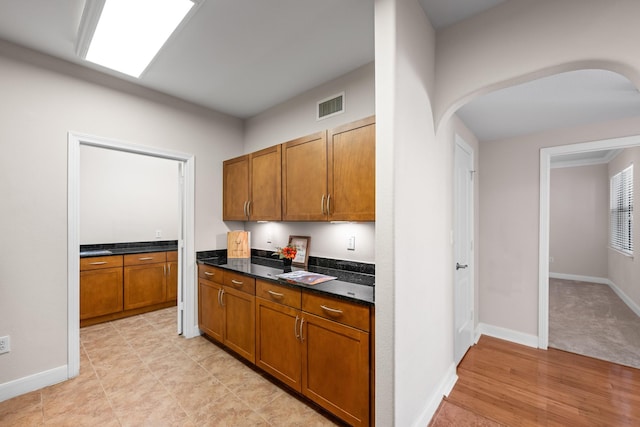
[[241, 57]]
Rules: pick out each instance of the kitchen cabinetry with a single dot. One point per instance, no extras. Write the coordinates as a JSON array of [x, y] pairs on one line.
[[227, 309], [100, 286], [117, 286], [172, 276], [330, 175], [210, 312], [277, 332], [252, 186], [335, 356], [145, 279], [351, 174], [317, 345]]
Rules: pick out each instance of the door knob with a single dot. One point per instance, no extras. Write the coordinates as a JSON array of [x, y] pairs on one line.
[[459, 266]]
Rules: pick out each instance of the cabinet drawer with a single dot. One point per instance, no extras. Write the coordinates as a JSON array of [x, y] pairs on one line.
[[148, 258], [240, 282], [172, 256], [94, 263], [278, 293], [337, 310], [208, 272]]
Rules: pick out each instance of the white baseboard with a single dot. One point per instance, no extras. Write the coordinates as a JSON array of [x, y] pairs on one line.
[[604, 281], [443, 389], [578, 278], [33, 382], [507, 335], [624, 297]]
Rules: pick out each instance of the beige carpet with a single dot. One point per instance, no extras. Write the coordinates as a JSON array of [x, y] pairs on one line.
[[590, 319]]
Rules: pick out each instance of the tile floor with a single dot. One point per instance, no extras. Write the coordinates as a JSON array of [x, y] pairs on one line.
[[138, 372]]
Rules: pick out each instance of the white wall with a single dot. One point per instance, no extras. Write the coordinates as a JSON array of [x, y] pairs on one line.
[[127, 197], [579, 220], [521, 40], [42, 100], [414, 218], [295, 118], [624, 271]]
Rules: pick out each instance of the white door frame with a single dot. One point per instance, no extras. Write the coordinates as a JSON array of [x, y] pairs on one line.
[[186, 248], [543, 252], [462, 144]]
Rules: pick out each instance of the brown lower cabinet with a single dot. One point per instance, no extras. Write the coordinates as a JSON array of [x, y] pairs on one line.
[[117, 286], [317, 345], [100, 286], [226, 309]]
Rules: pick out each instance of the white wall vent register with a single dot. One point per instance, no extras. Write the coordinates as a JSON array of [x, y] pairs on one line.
[[331, 106]]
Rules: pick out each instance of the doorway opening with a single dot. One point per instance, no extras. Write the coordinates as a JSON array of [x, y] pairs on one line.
[[544, 230], [186, 252]]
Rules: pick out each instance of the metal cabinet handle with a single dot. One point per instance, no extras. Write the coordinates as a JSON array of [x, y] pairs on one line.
[[145, 258], [221, 298], [331, 310], [322, 205], [329, 204], [248, 208], [169, 268], [295, 328], [235, 282], [209, 274], [459, 266], [219, 303], [164, 269], [275, 294], [98, 263], [301, 330]]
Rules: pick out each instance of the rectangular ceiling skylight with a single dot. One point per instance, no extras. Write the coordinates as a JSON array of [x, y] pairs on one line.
[[130, 33]]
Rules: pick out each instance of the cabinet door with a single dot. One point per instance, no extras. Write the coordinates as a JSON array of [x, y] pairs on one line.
[[172, 281], [278, 349], [304, 178], [210, 312], [100, 292], [352, 171], [335, 368], [266, 185], [235, 188], [240, 322], [144, 285]]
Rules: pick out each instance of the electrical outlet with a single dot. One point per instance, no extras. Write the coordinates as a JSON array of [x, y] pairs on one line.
[[4, 345], [351, 243], [551, 259], [158, 234]]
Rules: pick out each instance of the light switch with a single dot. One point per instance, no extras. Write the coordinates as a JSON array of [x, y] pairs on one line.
[[351, 243]]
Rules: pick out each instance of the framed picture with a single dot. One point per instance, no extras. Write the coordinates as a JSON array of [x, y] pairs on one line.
[[302, 244]]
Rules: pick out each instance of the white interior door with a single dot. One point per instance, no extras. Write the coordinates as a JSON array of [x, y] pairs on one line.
[[463, 250]]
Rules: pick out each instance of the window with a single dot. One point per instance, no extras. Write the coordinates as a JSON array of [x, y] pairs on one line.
[[621, 211]]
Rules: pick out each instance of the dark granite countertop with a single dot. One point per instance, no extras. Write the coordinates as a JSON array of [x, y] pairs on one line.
[[87, 251], [359, 293]]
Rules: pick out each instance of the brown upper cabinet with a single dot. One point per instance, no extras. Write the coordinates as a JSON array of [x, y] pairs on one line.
[[330, 175], [325, 176], [252, 186]]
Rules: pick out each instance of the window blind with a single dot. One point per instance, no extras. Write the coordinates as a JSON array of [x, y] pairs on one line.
[[621, 211]]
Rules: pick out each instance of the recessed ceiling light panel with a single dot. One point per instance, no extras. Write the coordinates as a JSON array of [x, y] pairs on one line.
[[130, 33]]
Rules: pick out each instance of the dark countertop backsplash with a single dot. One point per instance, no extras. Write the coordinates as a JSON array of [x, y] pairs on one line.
[[127, 248], [348, 271]]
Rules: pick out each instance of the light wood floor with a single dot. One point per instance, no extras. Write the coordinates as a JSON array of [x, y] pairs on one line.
[[502, 383]]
